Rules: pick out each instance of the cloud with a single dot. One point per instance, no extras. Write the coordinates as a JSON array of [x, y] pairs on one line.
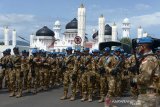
[[146, 20], [15, 18], [142, 6]]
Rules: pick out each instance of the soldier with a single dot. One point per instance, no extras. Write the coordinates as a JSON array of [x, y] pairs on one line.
[[7, 59], [17, 73], [93, 75], [69, 64], [2, 69], [148, 72], [112, 67], [25, 67], [55, 73], [31, 73], [44, 71], [36, 71], [103, 74], [87, 66], [75, 74]]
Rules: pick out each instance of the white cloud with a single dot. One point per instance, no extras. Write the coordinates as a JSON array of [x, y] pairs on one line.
[[142, 6], [146, 20], [15, 18]]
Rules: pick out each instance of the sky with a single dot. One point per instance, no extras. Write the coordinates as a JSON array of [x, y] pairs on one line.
[[27, 16]]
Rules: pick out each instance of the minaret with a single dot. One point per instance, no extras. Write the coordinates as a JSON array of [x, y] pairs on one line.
[[6, 41], [126, 28], [145, 34], [82, 23], [14, 33], [140, 32], [101, 29], [114, 32], [31, 39], [57, 29]]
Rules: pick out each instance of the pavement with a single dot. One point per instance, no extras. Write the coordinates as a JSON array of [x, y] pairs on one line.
[[50, 98]]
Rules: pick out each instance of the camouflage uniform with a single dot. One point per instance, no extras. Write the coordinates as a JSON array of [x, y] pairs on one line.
[[110, 65], [44, 73], [69, 61], [17, 74], [86, 83], [36, 73], [53, 70], [103, 78], [149, 69], [2, 71], [25, 69], [31, 73], [129, 63]]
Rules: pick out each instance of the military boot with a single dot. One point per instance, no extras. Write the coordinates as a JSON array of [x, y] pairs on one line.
[[101, 100], [73, 96], [84, 97], [90, 98], [65, 96], [19, 95], [12, 94]]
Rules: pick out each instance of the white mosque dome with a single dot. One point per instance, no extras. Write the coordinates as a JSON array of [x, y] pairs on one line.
[[57, 23], [126, 20]]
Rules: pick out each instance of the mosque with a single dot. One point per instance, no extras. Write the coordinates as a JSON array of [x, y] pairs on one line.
[[56, 40]]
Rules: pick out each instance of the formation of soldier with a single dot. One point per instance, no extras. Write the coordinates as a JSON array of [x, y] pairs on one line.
[[96, 74]]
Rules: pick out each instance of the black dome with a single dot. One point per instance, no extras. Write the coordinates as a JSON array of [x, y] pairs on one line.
[[108, 30], [45, 31], [73, 24], [95, 35]]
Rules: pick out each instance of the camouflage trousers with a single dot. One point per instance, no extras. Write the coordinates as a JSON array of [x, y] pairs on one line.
[[111, 80], [118, 90], [103, 86], [88, 82], [6, 75], [59, 76], [1, 77], [25, 78], [15, 80], [148, 100], [44, 78], [53, 77], [67, 79], [36, 80]]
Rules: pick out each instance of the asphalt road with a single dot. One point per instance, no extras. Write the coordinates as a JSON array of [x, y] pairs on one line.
[[43, 99]]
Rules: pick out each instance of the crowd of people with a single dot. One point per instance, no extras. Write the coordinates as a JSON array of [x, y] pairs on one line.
[[106, 73]]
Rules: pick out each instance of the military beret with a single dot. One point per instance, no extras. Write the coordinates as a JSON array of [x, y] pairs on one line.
[[144, 40], [68, 48]]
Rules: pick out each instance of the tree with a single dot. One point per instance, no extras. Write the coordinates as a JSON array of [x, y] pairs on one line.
[[127, 41], [1, 43]]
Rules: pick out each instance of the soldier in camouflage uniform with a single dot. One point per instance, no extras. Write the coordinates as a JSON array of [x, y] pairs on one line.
[[7, 68], [130, 64], [36, 71], [87, 59], [74, 75], [111, 68], [2, 69], [44, 72], [53, 69], [103, 74], [17, 73], [69, 64], [31, 73], [148, 72], [25, 67]]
